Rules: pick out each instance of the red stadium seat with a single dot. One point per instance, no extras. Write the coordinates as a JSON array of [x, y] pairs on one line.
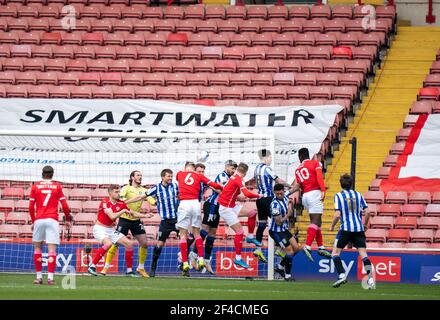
[[75, 206], [405, 223], [429, 94], [278, 12], [421, 107], [342, 11], [391, 160], [414, 210], [397, 197], [301, 11], [22, 206], [382, 222], [25, 231], [9, 230], [215, 12], [383, 173], [87, 219], [257, 12], [376, 197], [403, 135], [398, 235], [437, 236], [79, 232], [12, 193], [378, 235], [389, 210], [429, 223], [321, 11], [432, 80], [422, 235], [17, 218], [419, 198], [372, 208], [80, 194]]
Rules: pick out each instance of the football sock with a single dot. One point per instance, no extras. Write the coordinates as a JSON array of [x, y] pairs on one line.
[[288, 266], [252, 221], [38, 262], [184, 249], [101, 252], [199, 245], [260, 230], [319, 240], [129, 258], [311, 234], [367, 266], [110, 254], [238, 242], [51, 263], [142, 257], [209, 245], [156, 254], [338, 264]]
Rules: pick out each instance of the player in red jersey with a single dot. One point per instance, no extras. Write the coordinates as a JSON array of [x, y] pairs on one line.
[[45, 196], [229, 210], [309, 176], [109, 210], [189, 211]]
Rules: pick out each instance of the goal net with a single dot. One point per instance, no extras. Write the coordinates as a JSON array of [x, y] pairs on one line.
[[86, 163]]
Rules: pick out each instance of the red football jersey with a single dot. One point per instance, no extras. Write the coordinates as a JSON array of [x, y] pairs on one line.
[[45, 195], [115, 207], [232, 189], [190, 182], [306, 175]]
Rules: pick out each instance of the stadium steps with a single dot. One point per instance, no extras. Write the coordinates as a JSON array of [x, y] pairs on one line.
[[381, 114]]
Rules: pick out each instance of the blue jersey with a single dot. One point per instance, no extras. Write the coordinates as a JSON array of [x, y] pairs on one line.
[[203, 188], [350, 203], [265, 177], [167, 199], [279, 208], [221, 178]]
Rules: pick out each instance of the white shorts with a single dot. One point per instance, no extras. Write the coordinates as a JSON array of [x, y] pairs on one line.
[[230, 215], [312, 202], [46, 230], [101, 232], [189, 214]]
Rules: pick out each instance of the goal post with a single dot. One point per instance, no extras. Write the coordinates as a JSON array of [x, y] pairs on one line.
[[93, 160]]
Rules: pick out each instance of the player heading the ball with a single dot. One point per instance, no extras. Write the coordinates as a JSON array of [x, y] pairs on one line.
[[229, 210]]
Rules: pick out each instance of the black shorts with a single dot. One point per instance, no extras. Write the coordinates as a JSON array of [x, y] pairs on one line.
[[263, 208], [135, 226], [357, 238], [165, 228], [208, 209], [281, 238]]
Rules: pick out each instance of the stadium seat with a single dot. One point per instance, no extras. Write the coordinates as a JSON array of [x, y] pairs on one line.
[[383, 173], [436, 198], [12, 193], [75, 206], [419, 198], [432, 210], [215, 12], [429, 223], [393, 210], [429, 94], [391, 160], [22, 206], [79, 232], [422, 235], [257, 12], [83, 218], [376, 235], [2, 217], [376, 197], [80, 194], [372, 208], [398, 235], [414, 210], [405, 223], [342, 11], [403, 135], [17, 218], [25, 231], [431, 80], [276, 11], [393, 245], [382, 222], [374, 245], [301, 11], [397, 197], [9, 230]]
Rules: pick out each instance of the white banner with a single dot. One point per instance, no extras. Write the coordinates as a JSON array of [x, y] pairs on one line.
[[106, 160]]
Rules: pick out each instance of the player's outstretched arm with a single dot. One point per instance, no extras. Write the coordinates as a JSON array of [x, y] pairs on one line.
[[139, 215], [335, 220], [250, 194], [136, 199], [210, 183], [114, 215]]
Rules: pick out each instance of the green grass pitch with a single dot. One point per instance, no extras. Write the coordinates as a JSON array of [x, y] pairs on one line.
[[19, 286]]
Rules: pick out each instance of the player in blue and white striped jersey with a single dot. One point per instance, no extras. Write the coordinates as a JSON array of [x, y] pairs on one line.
[[279, 229], [166, 194], [265, 179], [349, 206]]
